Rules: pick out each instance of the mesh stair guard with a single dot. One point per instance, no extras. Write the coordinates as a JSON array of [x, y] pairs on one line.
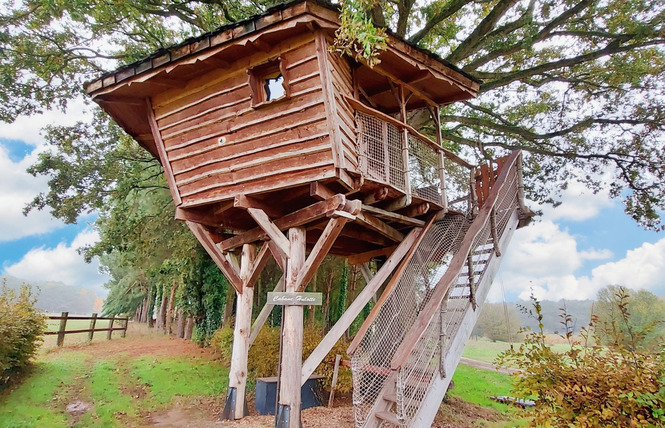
[[403, 363]]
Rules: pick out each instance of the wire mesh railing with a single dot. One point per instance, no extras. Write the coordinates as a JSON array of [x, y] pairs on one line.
[[397, 155], [415, 374]]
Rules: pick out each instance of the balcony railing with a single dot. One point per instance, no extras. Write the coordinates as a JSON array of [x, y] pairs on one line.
[[393, 153]]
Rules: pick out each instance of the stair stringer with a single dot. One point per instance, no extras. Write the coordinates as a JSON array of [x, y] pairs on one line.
[[437, 390]]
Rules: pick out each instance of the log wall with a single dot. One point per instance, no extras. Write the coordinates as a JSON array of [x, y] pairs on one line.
[[218, 145]]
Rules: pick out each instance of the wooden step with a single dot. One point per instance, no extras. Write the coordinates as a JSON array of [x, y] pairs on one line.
[[388, 417], [391, 398]]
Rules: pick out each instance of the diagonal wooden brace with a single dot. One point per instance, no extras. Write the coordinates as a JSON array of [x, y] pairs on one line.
[[264, 222]]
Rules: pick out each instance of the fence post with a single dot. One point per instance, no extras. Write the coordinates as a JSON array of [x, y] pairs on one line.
[[110, 331], [93, 321], [123, 333], [63, 325]]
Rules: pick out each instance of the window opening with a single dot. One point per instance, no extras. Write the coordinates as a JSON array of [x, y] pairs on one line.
[[274, 87]]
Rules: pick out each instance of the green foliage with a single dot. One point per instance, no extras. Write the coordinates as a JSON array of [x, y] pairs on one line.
[[647, 312], [358, 37], [264, 354], [340, 303], [21, 329], [618, 385]]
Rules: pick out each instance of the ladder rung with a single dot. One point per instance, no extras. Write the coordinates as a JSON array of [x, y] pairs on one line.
[[388, 417], [392, 397]]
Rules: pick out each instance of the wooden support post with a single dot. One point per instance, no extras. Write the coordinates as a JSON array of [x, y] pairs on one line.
[[236, 407], [288, 410], [123, 333], [109, 332], [334, 380], [61, 330], [93, 321]]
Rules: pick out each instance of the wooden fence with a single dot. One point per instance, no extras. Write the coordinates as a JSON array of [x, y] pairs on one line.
[[62, 331]]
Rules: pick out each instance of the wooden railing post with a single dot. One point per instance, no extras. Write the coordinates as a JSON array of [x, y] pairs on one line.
[[123, 333], [93, 321], [61, 330], [110, 330]]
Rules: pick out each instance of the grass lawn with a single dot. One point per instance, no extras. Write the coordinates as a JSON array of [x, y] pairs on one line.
[[482, 349], [122, 389]]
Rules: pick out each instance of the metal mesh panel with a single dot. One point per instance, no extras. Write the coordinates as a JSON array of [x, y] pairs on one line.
[[371, 361], [380, 150], [415, 375], [424, 171]]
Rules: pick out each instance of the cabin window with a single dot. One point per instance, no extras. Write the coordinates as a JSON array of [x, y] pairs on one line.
[[268, 82]]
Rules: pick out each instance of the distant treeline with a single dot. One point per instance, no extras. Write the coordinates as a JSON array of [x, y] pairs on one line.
[[53, 296]]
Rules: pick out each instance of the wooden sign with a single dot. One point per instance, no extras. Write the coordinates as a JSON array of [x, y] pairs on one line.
[[294, 299]]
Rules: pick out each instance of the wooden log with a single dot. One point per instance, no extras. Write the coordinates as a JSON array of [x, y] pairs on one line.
[[61, 330], [276, 235], [397, 218], [362, 258], [320, 250], [93, 321], [295, 219], [378, 226], [377, 196], [215, 253], [292, 331]]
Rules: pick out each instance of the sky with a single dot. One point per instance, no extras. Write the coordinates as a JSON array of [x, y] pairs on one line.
[[570, 252]]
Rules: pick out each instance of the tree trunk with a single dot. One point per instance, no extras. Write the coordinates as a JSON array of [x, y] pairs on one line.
[[228, 306], [326, 305], [180, 324], [189, 327], [151, 305], [144, 309], [171, 306], [161, 318]]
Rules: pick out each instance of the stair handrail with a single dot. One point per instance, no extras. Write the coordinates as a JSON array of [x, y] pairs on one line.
[[457, 263]]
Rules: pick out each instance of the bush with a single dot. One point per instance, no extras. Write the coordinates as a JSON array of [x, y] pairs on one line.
[[590, 385], [264, 354], [21, 329]]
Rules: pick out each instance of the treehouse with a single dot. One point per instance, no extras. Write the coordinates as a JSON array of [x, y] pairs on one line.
[[274, 145]]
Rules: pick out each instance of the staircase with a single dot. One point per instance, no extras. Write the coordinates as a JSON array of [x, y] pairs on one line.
[[412, 341]]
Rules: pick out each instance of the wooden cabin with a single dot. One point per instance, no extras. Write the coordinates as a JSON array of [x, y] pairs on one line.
[[264, 108], [275, 145]]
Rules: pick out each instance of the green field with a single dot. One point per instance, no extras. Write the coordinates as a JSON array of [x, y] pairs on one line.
[[486, 350]]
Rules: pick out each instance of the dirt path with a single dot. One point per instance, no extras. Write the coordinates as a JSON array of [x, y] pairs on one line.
[[487, 366]]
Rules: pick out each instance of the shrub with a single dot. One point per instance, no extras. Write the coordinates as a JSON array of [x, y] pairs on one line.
[[264, 354], [590, 385], [21, 329]]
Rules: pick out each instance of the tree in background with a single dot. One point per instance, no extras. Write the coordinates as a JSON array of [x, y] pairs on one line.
[[647, 312], [618, 385], [498, 322], [578, 85]]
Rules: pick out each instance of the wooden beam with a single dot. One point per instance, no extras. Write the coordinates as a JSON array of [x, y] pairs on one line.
[[357, 305], [398, 204], [243, 201], [223, 207], [264, 314], [295, 219], [188, 214], [281, 262], [273, 231], [320, 191], [161, 150], [365, 257], [378, 226], [205, 238], [415, 210], [398, 218], [257, 267], [320, 250], [378, 195]]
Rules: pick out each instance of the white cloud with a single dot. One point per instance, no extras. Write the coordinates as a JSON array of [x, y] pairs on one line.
[[17, 188], [62, 263], [28, 128], [577, 204]]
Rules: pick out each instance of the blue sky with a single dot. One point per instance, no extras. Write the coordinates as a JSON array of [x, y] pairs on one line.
[[570, 252]]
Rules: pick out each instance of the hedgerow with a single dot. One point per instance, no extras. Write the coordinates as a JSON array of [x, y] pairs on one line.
[[21, 329]]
